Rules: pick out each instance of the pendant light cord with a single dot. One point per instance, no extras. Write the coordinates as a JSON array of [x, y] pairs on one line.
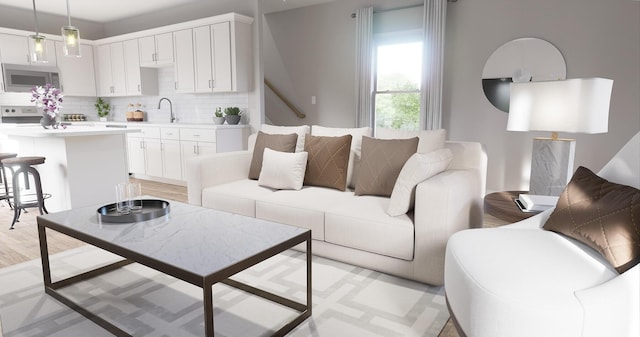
[[35, 16], [68, 13]]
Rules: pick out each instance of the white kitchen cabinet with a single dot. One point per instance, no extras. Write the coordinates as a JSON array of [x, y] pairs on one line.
[[14, 49], [136, 155], [183, 61], [171, 162], [156, 50], [139, 81], [196, 142], [77, 77], [155, 153], [222, 54], [110, 70], [153, 162]]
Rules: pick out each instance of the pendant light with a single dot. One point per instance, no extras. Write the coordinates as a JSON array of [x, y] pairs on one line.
[[71, 37], [37, 48]]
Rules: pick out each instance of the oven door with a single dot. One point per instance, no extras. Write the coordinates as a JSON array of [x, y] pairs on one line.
[[22, 119]]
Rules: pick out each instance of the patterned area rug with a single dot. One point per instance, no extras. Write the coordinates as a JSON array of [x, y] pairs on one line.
[[347, 300]]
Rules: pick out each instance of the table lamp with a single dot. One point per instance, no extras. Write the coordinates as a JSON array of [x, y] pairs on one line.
[[574, 105]]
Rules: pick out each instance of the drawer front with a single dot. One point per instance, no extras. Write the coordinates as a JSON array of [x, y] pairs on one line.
[[146, 132], [198, 135], [170, 133]]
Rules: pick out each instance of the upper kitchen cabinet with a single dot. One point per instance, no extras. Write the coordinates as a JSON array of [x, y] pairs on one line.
[[222, 56], [140, 81], [14, 49], [110, 69], [156, 50], [77, 76], [183, 58]]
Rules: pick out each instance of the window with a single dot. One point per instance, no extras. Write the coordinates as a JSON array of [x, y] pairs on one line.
[[398, 69]]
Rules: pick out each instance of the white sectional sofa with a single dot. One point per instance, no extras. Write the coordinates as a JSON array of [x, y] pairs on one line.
[[356, 229]]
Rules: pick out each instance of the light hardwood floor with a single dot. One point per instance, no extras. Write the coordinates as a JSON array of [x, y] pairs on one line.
[[21, 244]]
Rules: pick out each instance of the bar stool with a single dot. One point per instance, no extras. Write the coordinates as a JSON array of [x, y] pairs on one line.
[[25, 167], [4, 180]]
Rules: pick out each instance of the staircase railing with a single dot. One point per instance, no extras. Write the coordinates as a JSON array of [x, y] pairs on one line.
[[295, 110]]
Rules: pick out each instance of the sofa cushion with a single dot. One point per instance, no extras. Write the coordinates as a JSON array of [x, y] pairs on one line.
[[236, 197], [603, 215], [284, 143], [301, 131], [356, 146], [327, 162], [419, 167], [499, 280], [361, 222], [282, 170], [430, 140], [382, 160]]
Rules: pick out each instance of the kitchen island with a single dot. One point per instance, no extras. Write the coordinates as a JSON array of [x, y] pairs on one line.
[[83, 163]]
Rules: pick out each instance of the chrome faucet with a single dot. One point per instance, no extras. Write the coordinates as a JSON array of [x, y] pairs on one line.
[[172, 117]]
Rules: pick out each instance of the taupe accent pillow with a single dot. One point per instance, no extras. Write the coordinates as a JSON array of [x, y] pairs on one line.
[[282, 143], [601, 214], [382, 160], [328, 161]]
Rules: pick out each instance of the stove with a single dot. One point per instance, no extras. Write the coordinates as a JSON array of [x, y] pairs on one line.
[[20, 114]]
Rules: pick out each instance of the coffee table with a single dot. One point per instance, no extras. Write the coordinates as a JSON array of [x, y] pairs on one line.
[[194, 244]]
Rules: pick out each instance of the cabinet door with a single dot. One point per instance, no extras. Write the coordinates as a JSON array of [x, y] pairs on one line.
[[103, 70], [164, 49], [202, 59], [153, 157], [132, 67], [189, 150], [136, 155], [147, 46], [171, 164], [117, 69], [205, 149], [221, 47], [183, 62], [77, 77], [14, 49]]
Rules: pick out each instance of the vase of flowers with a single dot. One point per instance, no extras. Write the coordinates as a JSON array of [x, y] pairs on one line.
[[49, 98]]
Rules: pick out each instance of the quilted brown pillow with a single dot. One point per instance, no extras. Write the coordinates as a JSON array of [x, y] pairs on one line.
[[603, 215], [328, 161], [282, 143], [382, 160]]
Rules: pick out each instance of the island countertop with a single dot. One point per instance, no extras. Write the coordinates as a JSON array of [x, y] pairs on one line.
[[69, 131]]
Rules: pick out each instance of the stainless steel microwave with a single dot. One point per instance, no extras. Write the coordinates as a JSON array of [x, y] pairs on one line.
[[21, 78]]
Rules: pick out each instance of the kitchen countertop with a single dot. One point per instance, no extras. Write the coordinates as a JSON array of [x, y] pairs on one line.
[[163, 125], [70, 131]]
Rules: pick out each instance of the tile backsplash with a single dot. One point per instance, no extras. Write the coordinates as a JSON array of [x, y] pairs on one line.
[[188, 108]]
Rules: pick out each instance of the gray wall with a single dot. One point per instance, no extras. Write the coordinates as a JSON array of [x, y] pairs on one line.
[[310, 51]]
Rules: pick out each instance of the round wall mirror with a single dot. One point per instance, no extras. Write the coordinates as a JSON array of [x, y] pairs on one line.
[[520, 60]]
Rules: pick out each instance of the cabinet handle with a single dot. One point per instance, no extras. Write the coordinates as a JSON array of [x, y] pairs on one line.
[[175, 85], [195, 150], [142, 144], [196, 135], [210, 84]]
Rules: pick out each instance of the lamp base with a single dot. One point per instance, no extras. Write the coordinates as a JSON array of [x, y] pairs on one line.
[[551, 165]]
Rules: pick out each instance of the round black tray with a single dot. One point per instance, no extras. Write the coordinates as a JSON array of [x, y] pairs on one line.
[[151, 209]]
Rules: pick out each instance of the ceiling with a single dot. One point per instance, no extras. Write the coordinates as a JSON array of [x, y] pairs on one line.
[[112, 10]]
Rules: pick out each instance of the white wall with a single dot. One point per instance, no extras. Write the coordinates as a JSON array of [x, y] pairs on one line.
[[312, 53]]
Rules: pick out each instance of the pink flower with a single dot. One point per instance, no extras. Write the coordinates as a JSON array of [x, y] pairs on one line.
[[48, 98]]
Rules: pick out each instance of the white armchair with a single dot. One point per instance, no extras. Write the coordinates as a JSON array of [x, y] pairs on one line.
[[521, 280]]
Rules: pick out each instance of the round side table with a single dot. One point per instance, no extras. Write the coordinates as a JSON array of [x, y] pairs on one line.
[[502, 206]]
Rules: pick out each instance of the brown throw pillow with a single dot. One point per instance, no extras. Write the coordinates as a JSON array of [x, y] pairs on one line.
[[282, 143], [603, 215], [328, 161], [382, 160]]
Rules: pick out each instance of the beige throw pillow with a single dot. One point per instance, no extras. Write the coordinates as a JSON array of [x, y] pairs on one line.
[[327, 162], [382, 160], [418, 168], [603, 215], [283, 170], [301, 131], [283, 143], [430, 140]]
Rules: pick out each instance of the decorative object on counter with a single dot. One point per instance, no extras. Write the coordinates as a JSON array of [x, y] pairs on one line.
[[232, 115], [74, 117], [218, 117], [49, 98], [135, 113], [103, 109]]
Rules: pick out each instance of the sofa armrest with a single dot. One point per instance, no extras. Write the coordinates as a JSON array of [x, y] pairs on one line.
[[612, 308], [446, 203], [216, 169]]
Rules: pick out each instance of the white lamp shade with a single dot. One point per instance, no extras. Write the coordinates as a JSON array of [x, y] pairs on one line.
[[575, 105]]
